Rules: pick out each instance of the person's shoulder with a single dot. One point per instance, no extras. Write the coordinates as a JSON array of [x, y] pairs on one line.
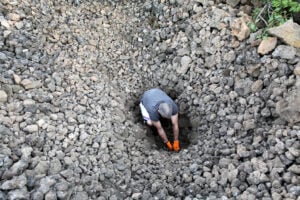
[[155, 89]]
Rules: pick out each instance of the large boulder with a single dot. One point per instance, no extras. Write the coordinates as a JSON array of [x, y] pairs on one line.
[[285, 52], [240, 28], [267, 45], [217, 20], [185, 62], [3, 96], [233, 3], [297, 70], [289, 108], [289, 32]]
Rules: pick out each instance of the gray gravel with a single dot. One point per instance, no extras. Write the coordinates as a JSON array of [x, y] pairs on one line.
[[71, 76]]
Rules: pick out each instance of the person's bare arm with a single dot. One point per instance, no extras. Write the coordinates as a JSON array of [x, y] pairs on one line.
[[174, 120], [160, 131]]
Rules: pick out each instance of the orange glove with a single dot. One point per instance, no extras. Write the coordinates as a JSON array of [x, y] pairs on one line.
[[176, 145], [169, 146]]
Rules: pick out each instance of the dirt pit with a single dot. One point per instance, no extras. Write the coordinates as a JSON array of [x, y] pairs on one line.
[[184, 131], [185, 128]]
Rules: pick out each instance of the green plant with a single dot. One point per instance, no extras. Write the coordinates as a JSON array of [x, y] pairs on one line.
[[290, 5], [273, 13]]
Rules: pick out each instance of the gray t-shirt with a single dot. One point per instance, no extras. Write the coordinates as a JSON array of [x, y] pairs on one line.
[[151, 100]]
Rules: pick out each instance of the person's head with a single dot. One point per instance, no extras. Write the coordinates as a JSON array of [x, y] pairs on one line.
[[165, 110]]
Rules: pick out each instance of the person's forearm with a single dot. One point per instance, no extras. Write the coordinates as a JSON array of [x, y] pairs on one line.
[[176, 132], [162, 134]]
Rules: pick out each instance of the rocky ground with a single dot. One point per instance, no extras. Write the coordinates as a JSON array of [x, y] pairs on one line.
[[71, 76]]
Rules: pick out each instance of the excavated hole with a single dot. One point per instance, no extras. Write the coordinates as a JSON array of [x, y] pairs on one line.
[[184, 124], [184, 130]]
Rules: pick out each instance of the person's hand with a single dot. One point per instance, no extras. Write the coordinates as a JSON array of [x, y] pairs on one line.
[[176, 146], [169, 146]]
